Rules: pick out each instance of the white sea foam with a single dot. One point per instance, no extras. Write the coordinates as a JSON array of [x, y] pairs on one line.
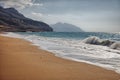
[[76, 50], [115, 45], [11, 34]]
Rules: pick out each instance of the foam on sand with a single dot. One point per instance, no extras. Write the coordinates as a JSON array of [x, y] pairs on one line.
[[78, 50]]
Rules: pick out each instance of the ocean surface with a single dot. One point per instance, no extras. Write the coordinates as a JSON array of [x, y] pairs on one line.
[[72, 46]]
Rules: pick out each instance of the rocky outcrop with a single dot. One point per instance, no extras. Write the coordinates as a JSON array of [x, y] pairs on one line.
[[12, 20]]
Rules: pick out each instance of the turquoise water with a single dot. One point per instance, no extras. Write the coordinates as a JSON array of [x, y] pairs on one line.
[[76, 35]]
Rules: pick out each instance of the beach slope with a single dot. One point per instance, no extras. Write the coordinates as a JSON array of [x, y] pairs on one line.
[[19, 60]]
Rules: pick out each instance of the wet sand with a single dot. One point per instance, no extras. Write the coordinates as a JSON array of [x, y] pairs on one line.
[[19, 60]]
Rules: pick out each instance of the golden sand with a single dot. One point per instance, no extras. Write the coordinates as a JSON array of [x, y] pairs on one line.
[[19, 60]]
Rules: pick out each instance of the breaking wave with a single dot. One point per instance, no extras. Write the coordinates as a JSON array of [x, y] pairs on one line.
[[104, 42]]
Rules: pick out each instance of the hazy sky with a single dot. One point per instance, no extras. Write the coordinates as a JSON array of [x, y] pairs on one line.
[[90, 15]]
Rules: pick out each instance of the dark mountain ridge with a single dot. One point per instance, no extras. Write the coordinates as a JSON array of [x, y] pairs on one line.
[[12, 20]]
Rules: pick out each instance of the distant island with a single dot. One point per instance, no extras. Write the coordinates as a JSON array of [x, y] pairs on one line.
[[12, 20], [65, 27]]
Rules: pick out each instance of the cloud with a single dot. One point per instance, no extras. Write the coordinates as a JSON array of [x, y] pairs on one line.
[[37, 14], [19, 4]]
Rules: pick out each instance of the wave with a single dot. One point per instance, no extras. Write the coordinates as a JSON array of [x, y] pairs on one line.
[[104, 42]]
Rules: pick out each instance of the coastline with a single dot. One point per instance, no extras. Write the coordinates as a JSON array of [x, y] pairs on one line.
[[22, 61]]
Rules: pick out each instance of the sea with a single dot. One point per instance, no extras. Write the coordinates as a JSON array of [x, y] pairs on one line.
[[72, 46]]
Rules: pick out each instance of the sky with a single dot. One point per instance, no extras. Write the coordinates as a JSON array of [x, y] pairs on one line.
[[90, 15]]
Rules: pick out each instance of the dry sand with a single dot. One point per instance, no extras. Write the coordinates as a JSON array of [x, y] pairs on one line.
[[19, 60]]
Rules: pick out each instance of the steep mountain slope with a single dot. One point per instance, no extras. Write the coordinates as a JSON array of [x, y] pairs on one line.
[[12, 20]]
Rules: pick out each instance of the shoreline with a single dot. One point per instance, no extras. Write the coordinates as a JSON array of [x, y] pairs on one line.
[[22, 61], [67, 58]]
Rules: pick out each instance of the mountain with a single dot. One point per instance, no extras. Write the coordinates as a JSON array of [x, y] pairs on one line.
[[65, 27], [12, 20]]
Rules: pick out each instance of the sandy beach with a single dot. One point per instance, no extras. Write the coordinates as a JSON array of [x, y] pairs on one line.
[[19, 60]]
